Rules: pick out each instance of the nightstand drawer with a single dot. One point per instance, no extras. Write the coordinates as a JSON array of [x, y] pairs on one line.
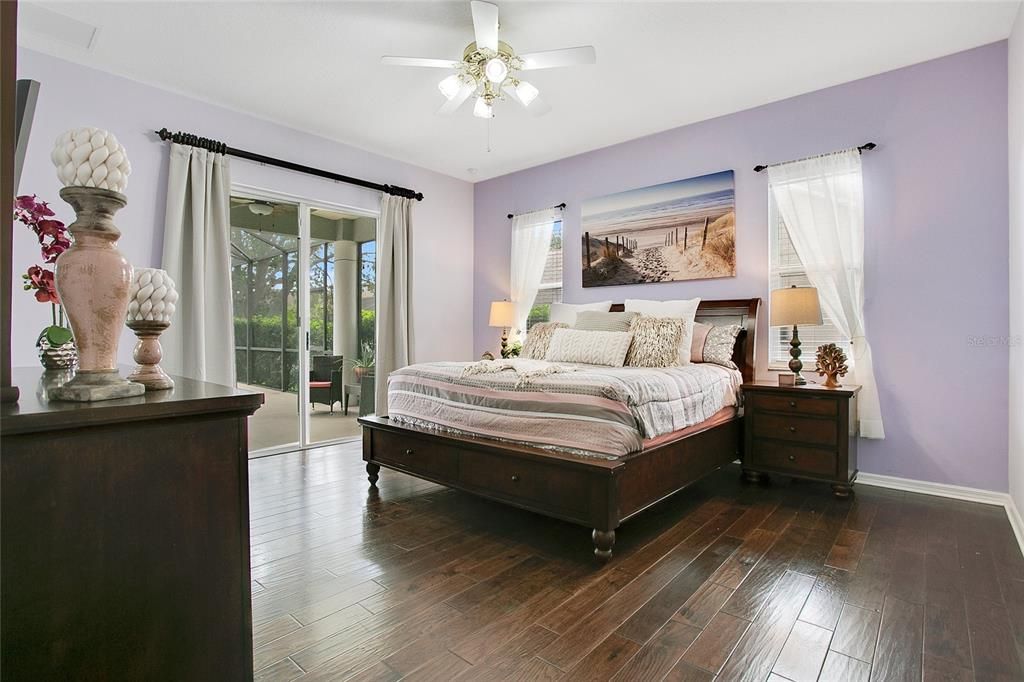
[[781, 456], [797, 429], [824, 407]]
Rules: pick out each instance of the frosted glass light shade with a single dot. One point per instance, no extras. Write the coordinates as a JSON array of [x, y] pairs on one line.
[[496, 70], [450, 86], [795, 305], [503, 314], [482, 109], [526, 93]]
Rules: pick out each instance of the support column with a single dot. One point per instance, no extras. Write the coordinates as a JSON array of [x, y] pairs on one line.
[[346, 291]]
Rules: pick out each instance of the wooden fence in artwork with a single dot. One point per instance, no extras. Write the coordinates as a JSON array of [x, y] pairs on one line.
[[619, 247], [672, 237]]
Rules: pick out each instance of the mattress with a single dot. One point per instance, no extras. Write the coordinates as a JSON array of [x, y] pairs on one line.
[[604, 412]]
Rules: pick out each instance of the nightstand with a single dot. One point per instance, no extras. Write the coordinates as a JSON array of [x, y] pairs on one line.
[[807, 431]]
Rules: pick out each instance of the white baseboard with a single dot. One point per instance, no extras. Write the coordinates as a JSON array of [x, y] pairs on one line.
[[956, 492]]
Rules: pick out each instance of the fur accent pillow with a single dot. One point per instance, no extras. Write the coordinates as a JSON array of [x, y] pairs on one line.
[[589, 348], [655, 341], [716, 344], [686, 310], [538, 339], [596, 321]]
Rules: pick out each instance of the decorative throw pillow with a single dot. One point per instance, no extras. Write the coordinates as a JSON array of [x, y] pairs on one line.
[[589, 348], [685, 310], [596, 321], [714, 344], [566, 312], [538, 338], [655, 341]]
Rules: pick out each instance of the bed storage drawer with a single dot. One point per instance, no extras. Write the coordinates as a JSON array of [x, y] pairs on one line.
[[792, 428], [535, 483], [415, 455], [783, 457]]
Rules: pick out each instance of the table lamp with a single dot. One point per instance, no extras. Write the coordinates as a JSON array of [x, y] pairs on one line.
[[793, 306], [503, 314]]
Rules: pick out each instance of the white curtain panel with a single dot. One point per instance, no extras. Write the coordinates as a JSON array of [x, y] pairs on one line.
[[200, 342], [394, 313], [531, 241], [822, 202]]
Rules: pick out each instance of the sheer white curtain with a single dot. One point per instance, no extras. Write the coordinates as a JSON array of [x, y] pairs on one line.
[[531, 241], [822, 202], [394, 314], [200, 342]]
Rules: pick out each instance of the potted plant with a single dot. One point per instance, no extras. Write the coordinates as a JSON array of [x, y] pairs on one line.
[[56, 344], [363, 365]]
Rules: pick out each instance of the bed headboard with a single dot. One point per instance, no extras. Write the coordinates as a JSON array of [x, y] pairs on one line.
[[741, 311]]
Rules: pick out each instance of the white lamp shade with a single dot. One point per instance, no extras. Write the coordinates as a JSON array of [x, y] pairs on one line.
[[503, 314], [795, 305]]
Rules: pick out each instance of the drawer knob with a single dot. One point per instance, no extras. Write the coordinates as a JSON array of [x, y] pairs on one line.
[[792, 458], [792, 403], [409, 451], [792, 429], [515, 478]]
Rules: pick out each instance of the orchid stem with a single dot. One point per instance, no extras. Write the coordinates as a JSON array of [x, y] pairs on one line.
[[53, 313]]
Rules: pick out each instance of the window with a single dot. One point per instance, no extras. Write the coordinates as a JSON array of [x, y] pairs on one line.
[[550, 290], [785, 270]]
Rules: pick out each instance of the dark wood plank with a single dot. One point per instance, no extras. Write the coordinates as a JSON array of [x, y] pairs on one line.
[[840, 668], [825, 603], [655, 658], [846, 551], [712, 648], [992, 641], [754, 591], [856, 635], [940, 670], [684, 672], [804, 653], [703, 605], [900, 637], [738, 566], [605, 660]]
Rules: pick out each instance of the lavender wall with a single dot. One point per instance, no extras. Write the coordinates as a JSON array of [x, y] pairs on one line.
[[72, 95], [1016, 146], [936, 212]]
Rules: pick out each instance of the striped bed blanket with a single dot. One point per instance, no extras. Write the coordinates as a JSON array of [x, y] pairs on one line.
[[603, 412]]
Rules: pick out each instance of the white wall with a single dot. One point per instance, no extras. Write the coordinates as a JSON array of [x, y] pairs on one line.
[[1016, 118], [71, 95]]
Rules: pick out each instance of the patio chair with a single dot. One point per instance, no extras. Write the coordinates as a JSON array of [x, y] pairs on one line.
[[325, 385]]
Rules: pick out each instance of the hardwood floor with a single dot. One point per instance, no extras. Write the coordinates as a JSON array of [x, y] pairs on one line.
[[743, 582]]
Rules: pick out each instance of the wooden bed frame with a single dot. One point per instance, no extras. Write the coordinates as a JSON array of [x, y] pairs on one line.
[[596, 493]]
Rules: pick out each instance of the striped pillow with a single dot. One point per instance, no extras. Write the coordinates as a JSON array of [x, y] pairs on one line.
[[595, 321]]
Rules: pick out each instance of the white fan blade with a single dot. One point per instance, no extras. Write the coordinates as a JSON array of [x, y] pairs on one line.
[[452, 105], [485, 24], [419, 61], [551, 59], [538, 107]]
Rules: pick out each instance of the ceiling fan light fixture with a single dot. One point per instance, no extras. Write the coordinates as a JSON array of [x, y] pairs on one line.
[[450, 86], [526, 93], [496, 70], [483, 108], [260, 208]]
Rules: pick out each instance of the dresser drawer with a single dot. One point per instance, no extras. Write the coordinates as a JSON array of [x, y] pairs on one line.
[[515, 479], [825, 407], [797, 429], [783, 457], [415, 455]]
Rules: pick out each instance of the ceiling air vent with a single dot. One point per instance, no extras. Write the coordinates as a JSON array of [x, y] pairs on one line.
[[45, 23]]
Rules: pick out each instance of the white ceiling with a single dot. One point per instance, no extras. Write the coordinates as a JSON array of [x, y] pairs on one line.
[[315, 66]]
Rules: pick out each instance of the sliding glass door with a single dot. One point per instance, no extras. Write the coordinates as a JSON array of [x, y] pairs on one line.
[[303, 283]]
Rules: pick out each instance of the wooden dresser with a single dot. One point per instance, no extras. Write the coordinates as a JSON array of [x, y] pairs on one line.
[[805, 431], [125, 535]]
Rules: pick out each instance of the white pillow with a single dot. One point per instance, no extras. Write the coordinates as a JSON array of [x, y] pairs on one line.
[[684, 309], [566, 312], [589, 348]]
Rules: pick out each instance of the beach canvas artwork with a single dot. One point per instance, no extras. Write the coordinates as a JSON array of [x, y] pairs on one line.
[[664, 233]]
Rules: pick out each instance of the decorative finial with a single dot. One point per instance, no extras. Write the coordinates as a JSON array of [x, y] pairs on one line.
[[90, 157]]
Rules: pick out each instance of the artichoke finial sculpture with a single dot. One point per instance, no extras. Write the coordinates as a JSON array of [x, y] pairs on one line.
[[831, 363]]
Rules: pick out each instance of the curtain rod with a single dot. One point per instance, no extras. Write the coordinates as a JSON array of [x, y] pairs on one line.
[[863, 148], [222, 148], [560, 207]]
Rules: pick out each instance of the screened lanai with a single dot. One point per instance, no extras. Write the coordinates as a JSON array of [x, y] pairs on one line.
[[267, 304]]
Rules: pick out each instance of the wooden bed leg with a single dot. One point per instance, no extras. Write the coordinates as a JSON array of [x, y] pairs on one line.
[[841, 490], [753, 476], [371, 473], [604, 540]]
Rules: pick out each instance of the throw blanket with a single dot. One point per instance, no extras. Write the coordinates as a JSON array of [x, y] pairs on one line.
[[597, 411], [524, 369]]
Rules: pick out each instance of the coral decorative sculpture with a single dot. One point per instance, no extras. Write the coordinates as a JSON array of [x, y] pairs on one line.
[[90, 157], [151, 303], [830, 363]]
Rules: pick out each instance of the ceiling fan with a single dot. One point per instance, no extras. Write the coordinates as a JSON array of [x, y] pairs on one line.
[[255, 206], [490, 68]]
